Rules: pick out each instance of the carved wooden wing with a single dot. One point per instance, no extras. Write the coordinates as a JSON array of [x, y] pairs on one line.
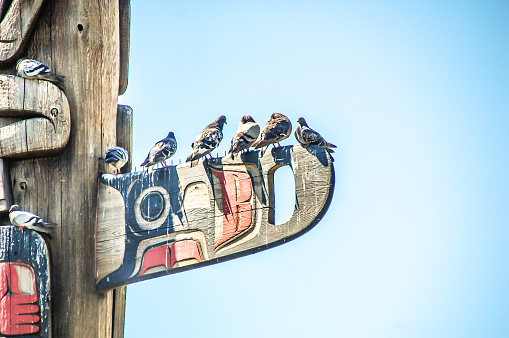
[[184, 217]]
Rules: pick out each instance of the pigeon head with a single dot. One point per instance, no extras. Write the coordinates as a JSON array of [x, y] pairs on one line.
[[302, 122], [170, 135], [246, 119], [221, 120], [277, 116], [14, 207]]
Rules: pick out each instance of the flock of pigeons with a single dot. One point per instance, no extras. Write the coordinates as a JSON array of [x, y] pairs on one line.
[[277, 129]]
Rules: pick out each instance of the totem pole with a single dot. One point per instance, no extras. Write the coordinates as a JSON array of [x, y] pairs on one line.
[[112, 230], [50, 141]]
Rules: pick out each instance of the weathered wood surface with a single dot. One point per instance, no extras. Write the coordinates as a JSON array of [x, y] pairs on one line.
[[44, 122], [124, 140], [125, 41], [5, 187], [24, 284], [80, 40], [15, 28], [183, 217]]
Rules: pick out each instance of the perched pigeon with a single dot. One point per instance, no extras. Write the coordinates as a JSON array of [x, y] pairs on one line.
[[208, 139], [246, 134], [160, 152], [276, 130], [307, 136], [33, 69], [26, 219], [116, 158]]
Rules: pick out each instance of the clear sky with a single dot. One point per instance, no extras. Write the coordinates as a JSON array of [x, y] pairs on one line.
[[416, 96]]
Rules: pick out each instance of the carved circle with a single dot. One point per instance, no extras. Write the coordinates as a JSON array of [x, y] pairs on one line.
[[23, 185], [152, 208], [54, 112], [80, 27]]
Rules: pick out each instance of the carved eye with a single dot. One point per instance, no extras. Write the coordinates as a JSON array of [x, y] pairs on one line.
[[152, 206]]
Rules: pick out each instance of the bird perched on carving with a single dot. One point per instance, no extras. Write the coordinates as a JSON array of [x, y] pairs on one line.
[[116, 158], [25, 219], [307, 136], [208, 139], [246, 134], [33, 69], [160, 152], [276, 130]]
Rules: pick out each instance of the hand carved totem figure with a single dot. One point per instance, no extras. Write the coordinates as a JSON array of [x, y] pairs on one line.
[[184, 216], [123, 228], [34, 122]]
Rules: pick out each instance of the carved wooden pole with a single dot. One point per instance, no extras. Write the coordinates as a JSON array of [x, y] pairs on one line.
[[78, 39]]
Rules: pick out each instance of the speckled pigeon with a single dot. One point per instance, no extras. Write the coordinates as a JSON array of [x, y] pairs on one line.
[[116, 158], [160, 152], [276, 130], [33, 69], [246, 134], [208, 139]]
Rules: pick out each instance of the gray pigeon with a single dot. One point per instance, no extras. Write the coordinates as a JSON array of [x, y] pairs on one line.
[[25, 219], [246, 134], [307, 136], [160, 152], [276, 130], [33, 69], [208, 139], [116, 158]]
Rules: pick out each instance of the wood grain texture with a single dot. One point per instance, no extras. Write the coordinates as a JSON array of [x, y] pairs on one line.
[[80, 40], [24, 283], [125, 40], [15, 28], [124, 140], [5, 188], [183, 217], [45, 120]]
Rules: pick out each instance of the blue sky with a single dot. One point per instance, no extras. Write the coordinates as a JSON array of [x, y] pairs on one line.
[[416, 96]]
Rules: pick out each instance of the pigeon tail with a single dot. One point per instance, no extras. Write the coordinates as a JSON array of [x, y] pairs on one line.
[[261, 143], [56, 79]]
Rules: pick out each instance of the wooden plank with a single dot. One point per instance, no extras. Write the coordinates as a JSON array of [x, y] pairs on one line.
[[124, 140], [183, 217], [125, 38], [24, 284], [125, 133], [16, 27]]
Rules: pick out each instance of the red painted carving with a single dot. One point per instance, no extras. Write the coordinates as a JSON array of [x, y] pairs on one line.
[[155, 257], [18, 311], [161, 255], [237, 211], [184, 250]]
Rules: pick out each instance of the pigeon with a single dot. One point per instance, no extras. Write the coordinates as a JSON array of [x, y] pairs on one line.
[[116, 158], [276, 130], [307, 136], [208, 139], [160, 152], [246, 134], [26, 219], [33, 69]]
